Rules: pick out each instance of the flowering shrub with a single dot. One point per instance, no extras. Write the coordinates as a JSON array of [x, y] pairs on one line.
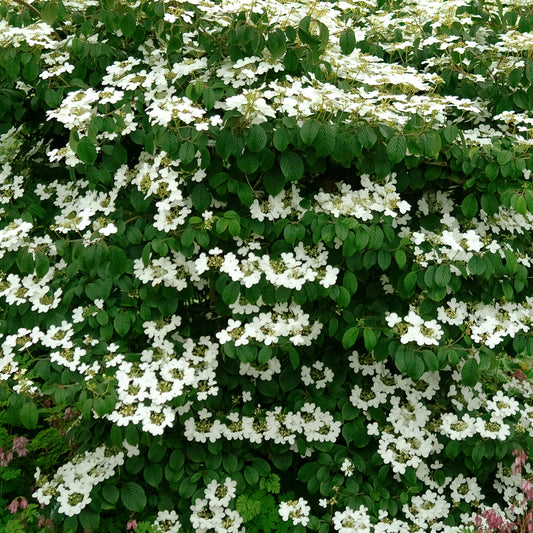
[[265, 266]]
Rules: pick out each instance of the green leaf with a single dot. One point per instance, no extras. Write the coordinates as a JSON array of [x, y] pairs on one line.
[[469, 207], [110, 493], [489, 203], [367, 137], [350, 283], [443, 275], [70, 524], [292, 166], [281, 139], [307, 471], [128, 25], [25, 261], [153, 474], [86, 151], [529, 71], [256, 139], [470, 372], [89, 519], [430, 360], [294, 357], [49, 13], [231, 292], [122, 323], [133, 496], [42, 264], [347, 41], [309, 130], [250, 475], [201, 197], [477, 265], [248, 163], [430, 143], [350, 336], [187, 152], [276, 43], [29, 415], [118, 261], [401, 258], [396, 148], [30, 70], [324, 141], [370, 339], [274, 182], [450, 133]]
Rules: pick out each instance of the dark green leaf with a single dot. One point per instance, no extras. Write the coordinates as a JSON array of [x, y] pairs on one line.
[[347, 41], [309, 130], [256, 139], [133, 496], [86, 151], [29, 415], [281, 139], [469, 372], [396, 148], [469, 207], [350, 336], [292, 166]]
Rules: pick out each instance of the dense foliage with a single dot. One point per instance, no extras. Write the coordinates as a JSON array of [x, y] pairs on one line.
[[265, 265]]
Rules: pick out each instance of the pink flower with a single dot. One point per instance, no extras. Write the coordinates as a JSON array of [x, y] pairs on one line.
[[132, 524], [13, 506], [520, 460], [19, 446], [519, 375], [527, 489], [23, 502], [5, 458]]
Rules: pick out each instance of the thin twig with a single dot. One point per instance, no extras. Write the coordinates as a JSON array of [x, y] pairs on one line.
[[29, 6]]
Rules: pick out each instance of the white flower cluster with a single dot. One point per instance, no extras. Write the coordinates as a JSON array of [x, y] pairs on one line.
[[292, 270], [283, 321], [352, 521], [78, 206], [373, 197], [458, 245], [172, 271], [161, 176], [414, 328], [35, 34], [361, 204], [213, 513], [145, 388], [426, 509], [282, 427], [167, 522], [73, 482], [412, 432], [491, 324], [14, 236], [317, 375], [286, 204], [295, 510], [11, 186], [263, 371]]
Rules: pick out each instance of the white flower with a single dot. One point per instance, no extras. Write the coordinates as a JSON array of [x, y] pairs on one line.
[[295, 510], [350, 521]]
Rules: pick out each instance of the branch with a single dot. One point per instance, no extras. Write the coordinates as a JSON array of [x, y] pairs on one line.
[[29, 6]]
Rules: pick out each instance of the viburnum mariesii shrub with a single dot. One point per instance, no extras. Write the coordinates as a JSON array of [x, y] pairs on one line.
[[265, 266]]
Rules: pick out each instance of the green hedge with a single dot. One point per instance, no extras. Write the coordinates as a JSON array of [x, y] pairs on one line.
[[264, 266]]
